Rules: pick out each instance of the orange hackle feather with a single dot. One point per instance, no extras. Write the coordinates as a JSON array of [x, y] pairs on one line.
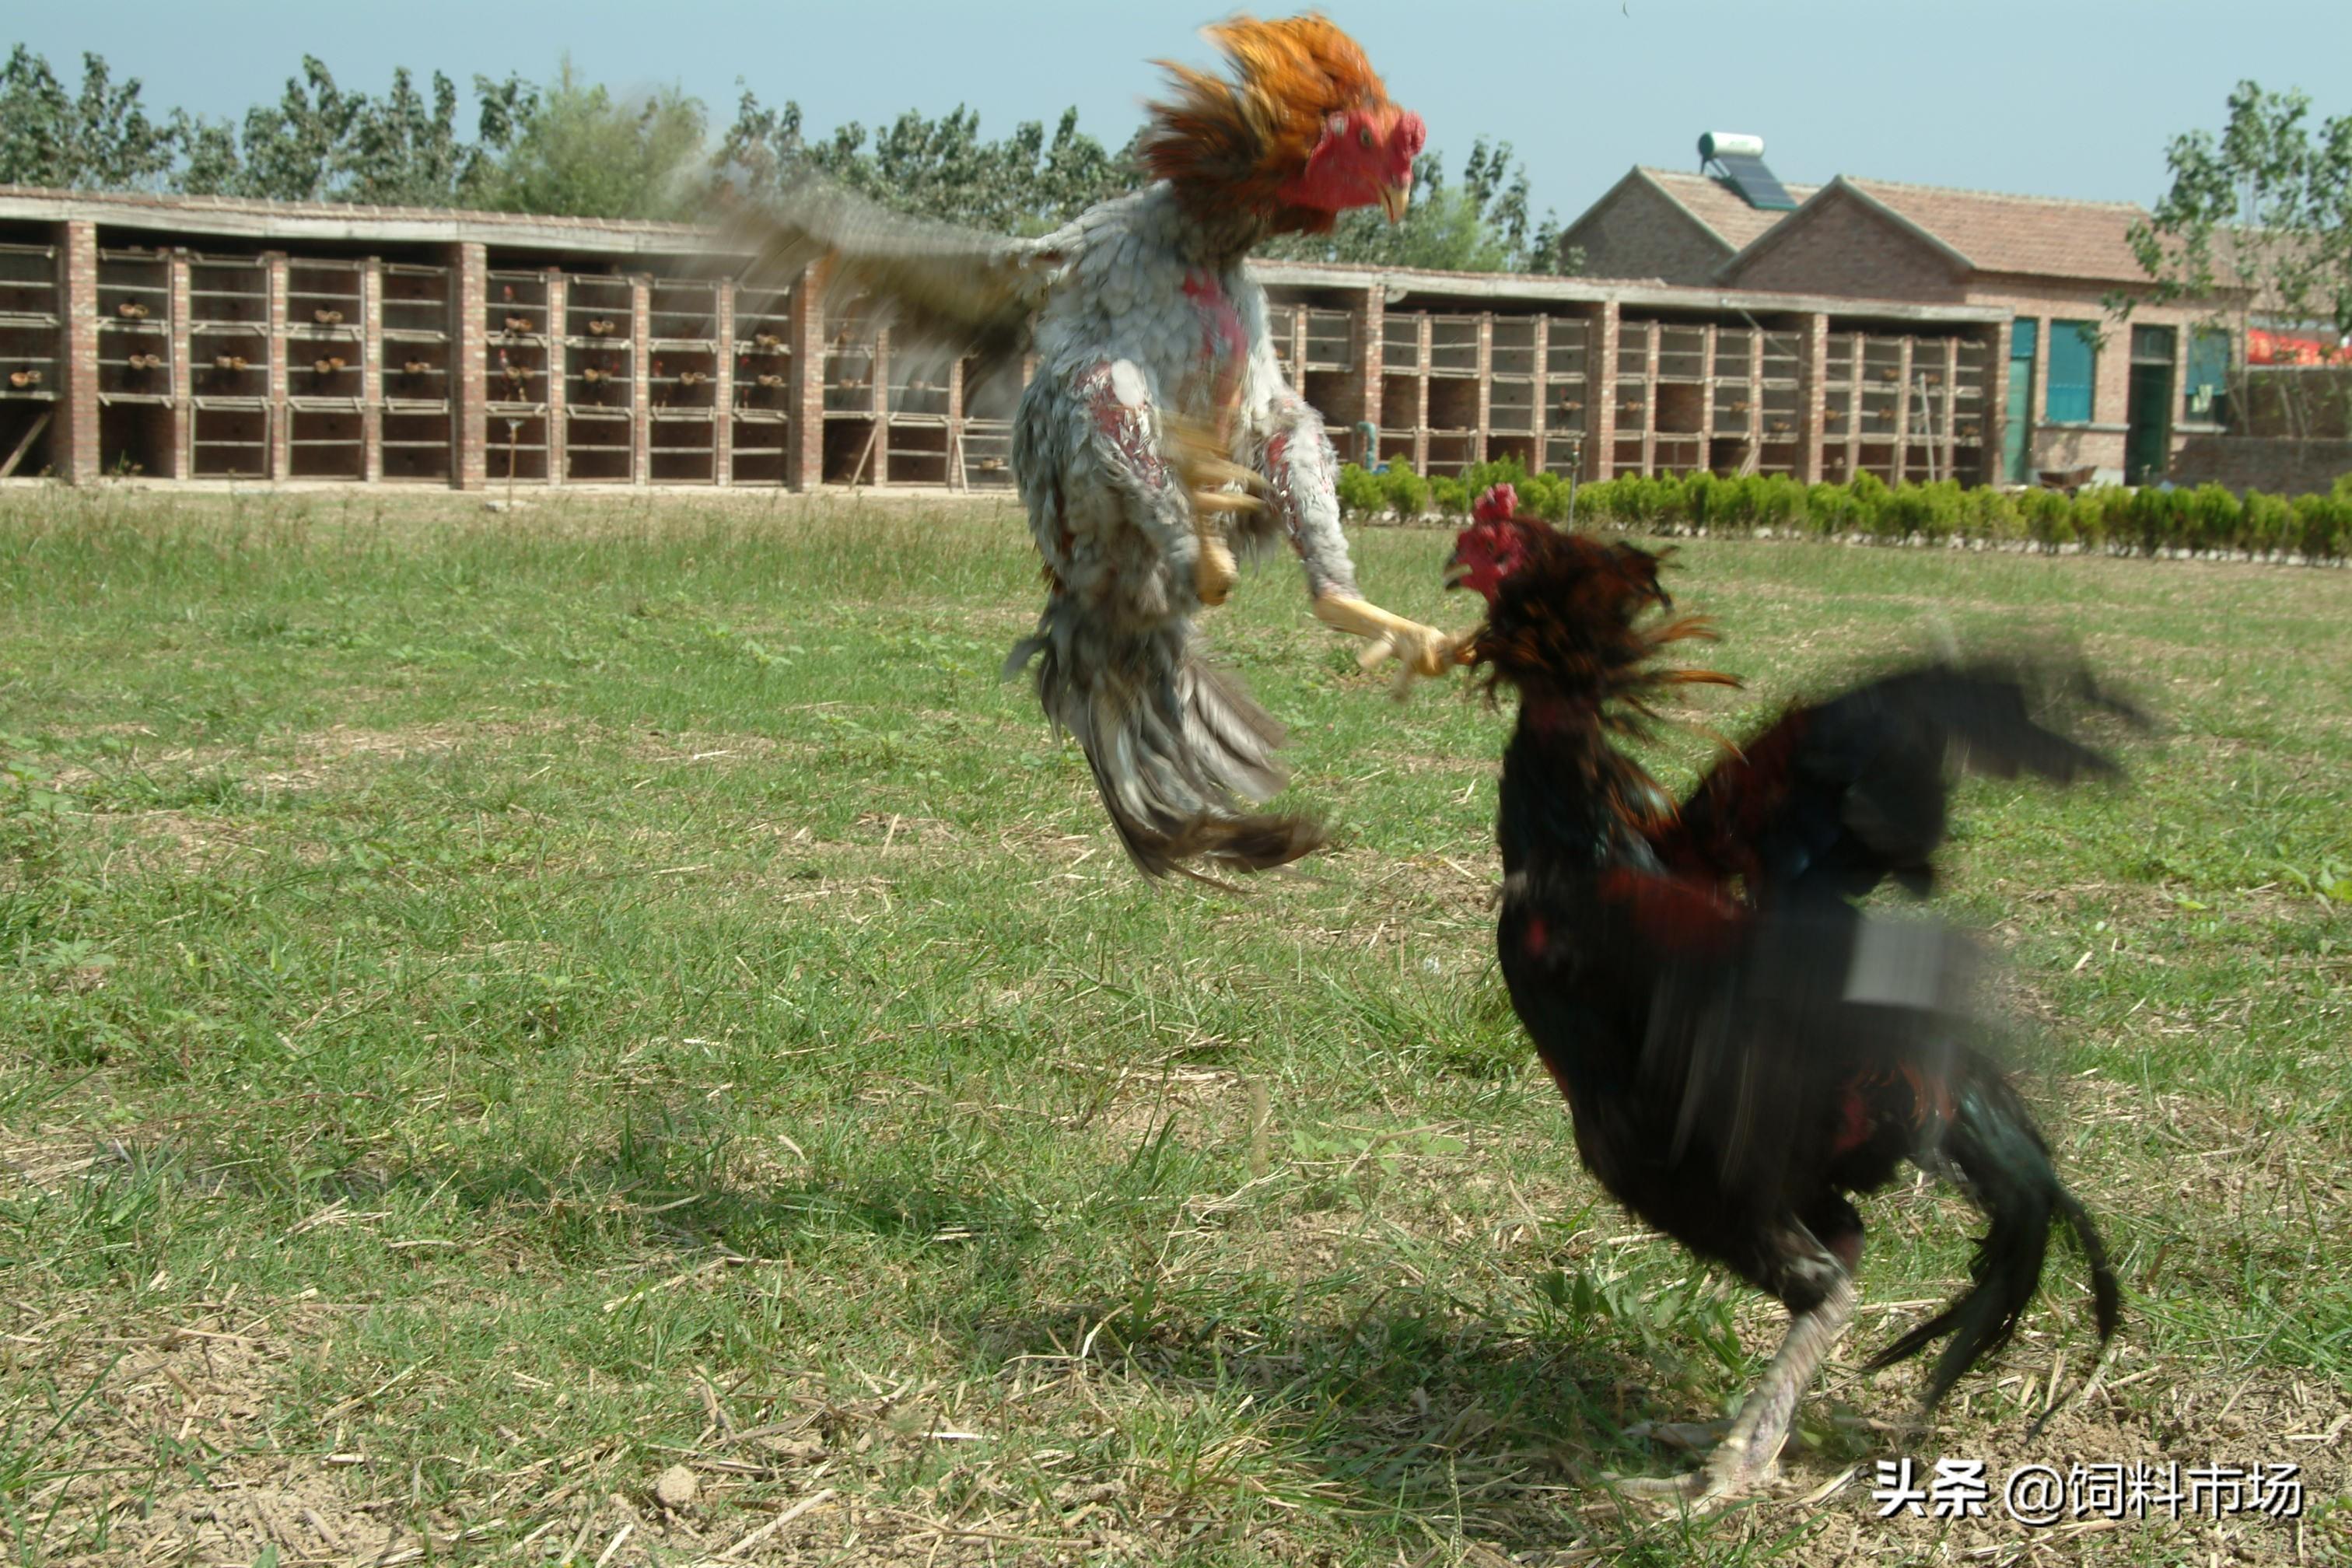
[[1223, 145]]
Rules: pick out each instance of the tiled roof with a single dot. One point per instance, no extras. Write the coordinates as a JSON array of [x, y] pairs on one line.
[[1718, 207], [2035, 236]]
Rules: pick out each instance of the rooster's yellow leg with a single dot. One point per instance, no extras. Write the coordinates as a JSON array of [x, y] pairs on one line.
[[1425, 650], [1215, 572]]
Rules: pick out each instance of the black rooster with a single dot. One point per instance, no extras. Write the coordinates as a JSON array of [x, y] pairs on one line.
[[1740, 1048]]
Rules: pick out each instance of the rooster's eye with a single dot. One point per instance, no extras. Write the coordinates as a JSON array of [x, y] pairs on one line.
[[1365, 136]]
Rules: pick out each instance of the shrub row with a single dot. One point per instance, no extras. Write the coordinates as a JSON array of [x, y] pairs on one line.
[[2207, 519]]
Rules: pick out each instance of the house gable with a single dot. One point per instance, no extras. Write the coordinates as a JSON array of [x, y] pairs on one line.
[[1638, 230], [1843, 242]]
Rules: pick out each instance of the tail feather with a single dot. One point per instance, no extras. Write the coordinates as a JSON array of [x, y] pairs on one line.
[[1177, 746], [2007, 1168]]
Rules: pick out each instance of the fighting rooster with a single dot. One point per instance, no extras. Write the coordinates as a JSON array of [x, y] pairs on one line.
[[1158, 429], [1740, 1048]]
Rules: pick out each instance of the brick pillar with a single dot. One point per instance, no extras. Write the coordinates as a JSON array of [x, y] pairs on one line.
[[1948, 409], [641, 401], [877, 390], [1370, 323], [1706, 397], [1813, 365], [1486, 383], [281, 425], [1421, 402], [955, 424], [807, 454], [1539, 433], [555, 390], [468, 345], [722, 388], [1855, 370], [1996, 405], [73, 432], [1903, 389], [184, 372], [1650, 335], [1600, 394], [372, 369], [1755, 459]]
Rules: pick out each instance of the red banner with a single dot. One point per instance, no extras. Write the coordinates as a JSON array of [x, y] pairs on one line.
[[2282, 348]]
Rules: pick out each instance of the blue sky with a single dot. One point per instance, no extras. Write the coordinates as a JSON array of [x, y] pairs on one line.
[[2074, 98]]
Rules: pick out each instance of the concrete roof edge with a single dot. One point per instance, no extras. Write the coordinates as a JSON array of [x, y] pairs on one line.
[[1538, 287], [333, 221]]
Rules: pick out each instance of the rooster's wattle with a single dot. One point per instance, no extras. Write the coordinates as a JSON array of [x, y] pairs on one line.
[[1741, 1048], [1158, 428]]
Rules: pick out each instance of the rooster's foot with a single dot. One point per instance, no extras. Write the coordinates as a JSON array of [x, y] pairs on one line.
[[1740, 1467], [1419, 649], [1215, 572], [1690, 1437], [1749, 1459]]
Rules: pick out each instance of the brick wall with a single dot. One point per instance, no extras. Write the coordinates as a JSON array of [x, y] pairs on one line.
[[1839, 247], [2043, 300], [2280, 465], [1637, 232]]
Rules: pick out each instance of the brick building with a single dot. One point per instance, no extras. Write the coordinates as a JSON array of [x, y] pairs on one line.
[[213, 340], [2082, 392], [2075, 390]]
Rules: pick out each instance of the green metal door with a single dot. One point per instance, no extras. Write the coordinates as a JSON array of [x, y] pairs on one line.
[[2017, 421], [2147, 414]]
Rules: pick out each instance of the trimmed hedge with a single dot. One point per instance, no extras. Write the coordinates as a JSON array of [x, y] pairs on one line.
[[2107, 517]]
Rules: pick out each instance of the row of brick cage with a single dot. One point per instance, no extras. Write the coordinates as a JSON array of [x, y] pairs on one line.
[[312, 344], [1603, 387]]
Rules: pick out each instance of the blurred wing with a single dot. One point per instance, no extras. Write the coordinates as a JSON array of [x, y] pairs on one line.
[[1841, 795], [1821, 1028], [961, 291]]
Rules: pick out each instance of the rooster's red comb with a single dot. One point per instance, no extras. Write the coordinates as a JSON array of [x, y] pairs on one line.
[[1500, 503]]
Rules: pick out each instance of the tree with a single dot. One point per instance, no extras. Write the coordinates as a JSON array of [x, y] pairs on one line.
[[577, 150], [100, 138], [570, 147], [321, 143], [1482, 227], [2257, 229], [939, 168]]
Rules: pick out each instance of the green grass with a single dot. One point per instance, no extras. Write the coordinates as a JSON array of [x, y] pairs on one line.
[[501, 1005]]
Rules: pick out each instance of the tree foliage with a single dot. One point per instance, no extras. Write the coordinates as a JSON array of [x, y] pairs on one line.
[[580, 152], [322, 143], [98, 139], [2257, 225], [943, 168], [1480, 225], [571, 147]]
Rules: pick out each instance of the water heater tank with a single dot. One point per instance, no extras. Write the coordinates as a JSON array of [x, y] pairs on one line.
[[1730, 145]]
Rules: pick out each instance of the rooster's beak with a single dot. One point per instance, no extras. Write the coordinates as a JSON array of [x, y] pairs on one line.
[[1394, 199]]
